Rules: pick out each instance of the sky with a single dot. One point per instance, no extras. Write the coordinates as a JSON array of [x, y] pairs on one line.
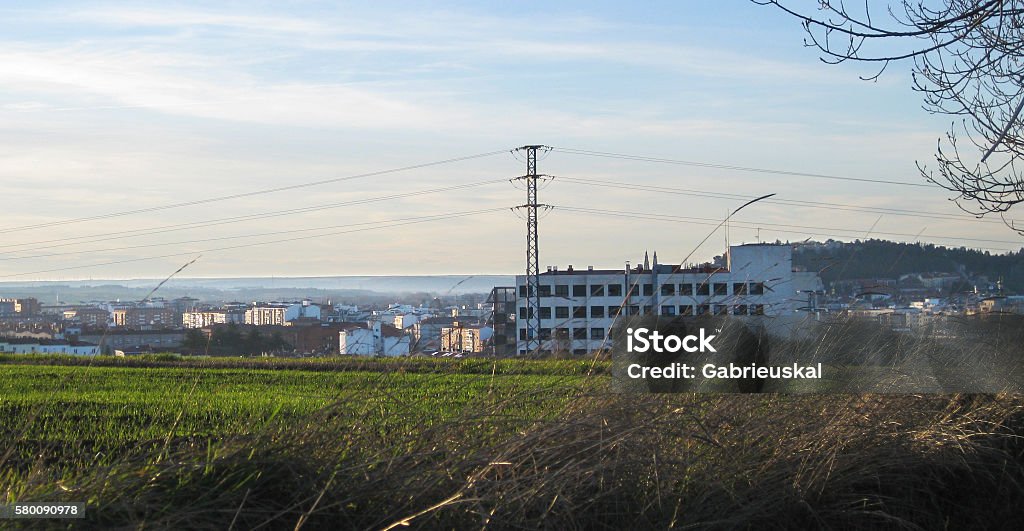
[[110, 108]]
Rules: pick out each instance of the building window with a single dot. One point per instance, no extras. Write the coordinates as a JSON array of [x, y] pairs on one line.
[[685, 309], [544, 291], [597, 290], [613, 311], [757, 309], [634, 310], [597, 333], [721, 309], [686, 290], [545, 333], [739, 288], [597, 311], [648, 310], [561, 334], [545, 312], [614, 290], [579, 333], [668, 310], [579, 351], [522, 292], [668, 290], [522, 334], [648, 290], [704, 309], [522, 313], [579, 290], [757, 288], [562, 291], [739, 309], [721, 288], [579, 312], [561, 312], [703, 289]]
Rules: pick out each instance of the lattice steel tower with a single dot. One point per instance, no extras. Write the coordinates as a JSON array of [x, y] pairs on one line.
[[533, 341]]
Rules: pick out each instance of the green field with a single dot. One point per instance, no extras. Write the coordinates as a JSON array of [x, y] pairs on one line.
[[118, 406], [170, 442]]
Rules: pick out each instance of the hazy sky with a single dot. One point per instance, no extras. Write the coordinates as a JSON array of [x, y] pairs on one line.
[[112, 107]]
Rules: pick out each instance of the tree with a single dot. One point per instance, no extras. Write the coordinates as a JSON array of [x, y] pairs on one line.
[[968, 63], [195, 340]]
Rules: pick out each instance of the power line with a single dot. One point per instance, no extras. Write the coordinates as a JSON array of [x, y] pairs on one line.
[[234, 219], [396, 223], [250, 194], [604, 154], [787, 202], [202, 240], [753, 225]]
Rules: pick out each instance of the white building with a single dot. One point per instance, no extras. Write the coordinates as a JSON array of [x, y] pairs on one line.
[[199, 319], [302, 310], [279, 314], [405, 320], [579, 307], [76, 348], [376, 340], [265, 315]]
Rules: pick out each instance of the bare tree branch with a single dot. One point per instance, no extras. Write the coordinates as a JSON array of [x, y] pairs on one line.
[[967, 61]]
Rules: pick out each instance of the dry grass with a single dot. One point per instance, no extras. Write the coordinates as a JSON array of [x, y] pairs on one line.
[[609, 461]]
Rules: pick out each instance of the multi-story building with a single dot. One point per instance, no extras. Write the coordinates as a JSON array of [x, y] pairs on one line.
[[579, 307], [279, 314], [265, 315], [91, 317], [143, 318], [1001, 304], [202, 319], [502, 319], [378, 339], [130, 341], [426, 333], [26, 307], [462, 337], [180, 306]]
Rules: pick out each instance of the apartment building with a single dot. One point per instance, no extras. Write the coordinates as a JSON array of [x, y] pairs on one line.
[[143, 318], [463, 337], [578, 308]]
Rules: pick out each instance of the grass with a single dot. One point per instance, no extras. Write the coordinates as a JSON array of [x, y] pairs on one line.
[[163, 443]]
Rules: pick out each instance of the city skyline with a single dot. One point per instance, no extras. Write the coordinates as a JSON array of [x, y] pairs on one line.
[[112, 108]]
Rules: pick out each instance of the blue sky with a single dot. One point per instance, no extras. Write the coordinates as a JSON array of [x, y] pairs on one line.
[[106, 107]]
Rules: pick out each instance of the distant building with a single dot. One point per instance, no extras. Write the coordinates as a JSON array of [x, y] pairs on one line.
[[1000, 304], [502, 319], [265, 315], [579, 307], [406, 320], [143, 318], [90, 316], [180, 306], [133, 341], [426, 334], [279, 314], [465, 338], [377, 339], [205, 319], [36, 346], [26, 307]]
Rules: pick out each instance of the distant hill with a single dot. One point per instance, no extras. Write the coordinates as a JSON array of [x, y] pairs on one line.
[[886, 259], [367, 289]]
